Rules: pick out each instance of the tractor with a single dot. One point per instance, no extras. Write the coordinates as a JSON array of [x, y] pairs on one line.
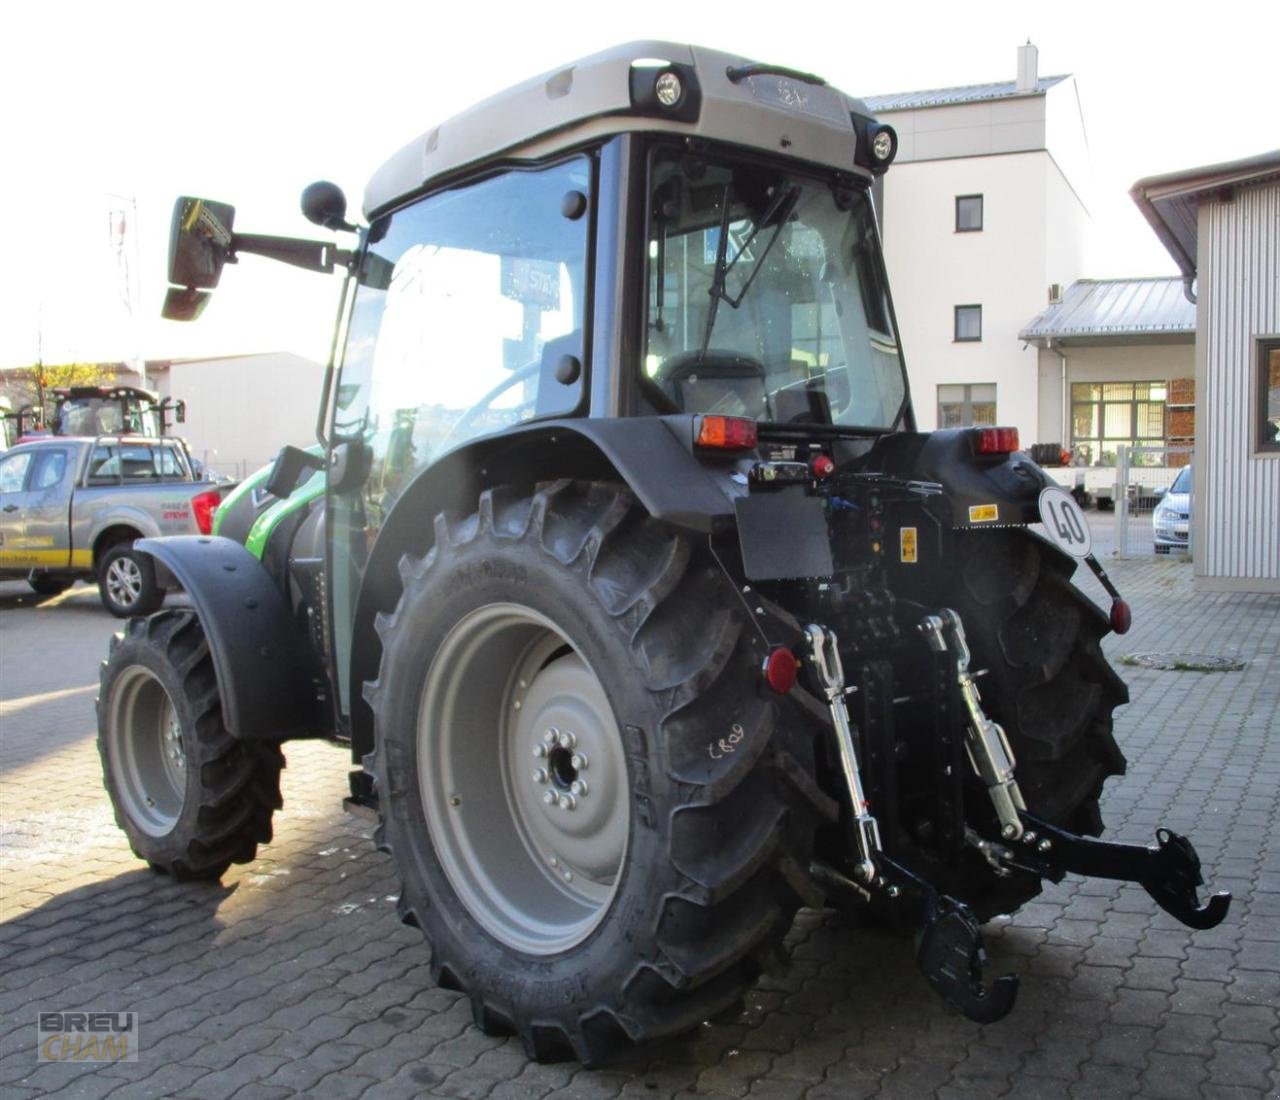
[[647, 613]]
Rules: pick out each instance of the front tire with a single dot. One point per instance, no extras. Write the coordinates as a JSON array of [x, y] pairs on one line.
[[191, 798], [650, 903], [127, 582]]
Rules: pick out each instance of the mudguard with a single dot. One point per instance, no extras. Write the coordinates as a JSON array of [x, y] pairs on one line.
[[984, 491], [261, 660]]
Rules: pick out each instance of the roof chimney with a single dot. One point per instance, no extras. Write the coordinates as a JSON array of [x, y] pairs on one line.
[[1028, 68]]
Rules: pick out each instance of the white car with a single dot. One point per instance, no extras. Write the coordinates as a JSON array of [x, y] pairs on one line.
[[1171, 521]]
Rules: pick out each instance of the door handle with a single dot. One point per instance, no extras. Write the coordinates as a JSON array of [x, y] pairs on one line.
[[10, 507]]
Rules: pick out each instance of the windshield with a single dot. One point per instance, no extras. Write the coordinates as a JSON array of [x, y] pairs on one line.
[[106, 416], [1182, 483], [767, 296]]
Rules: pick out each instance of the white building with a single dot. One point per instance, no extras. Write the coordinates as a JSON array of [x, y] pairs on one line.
[[983, 214], [1221, 224], [241, 409]]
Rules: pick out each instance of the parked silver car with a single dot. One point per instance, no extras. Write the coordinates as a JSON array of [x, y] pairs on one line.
[[1171, 520]]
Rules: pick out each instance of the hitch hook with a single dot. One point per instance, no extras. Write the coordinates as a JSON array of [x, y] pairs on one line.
[[1172, 880], [951, 956]]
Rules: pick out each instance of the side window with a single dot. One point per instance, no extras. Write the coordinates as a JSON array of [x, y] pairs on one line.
[[104, 466], [13, 472], [50, 469]]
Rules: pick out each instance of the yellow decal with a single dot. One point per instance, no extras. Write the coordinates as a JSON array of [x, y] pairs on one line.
[[907, 551], [983, 513]]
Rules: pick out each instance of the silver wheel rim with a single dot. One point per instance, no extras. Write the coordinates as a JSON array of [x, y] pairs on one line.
[[148, 760], [523, 779], [124, 581]]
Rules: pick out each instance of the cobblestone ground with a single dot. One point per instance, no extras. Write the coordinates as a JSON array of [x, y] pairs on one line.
[[293, 976]]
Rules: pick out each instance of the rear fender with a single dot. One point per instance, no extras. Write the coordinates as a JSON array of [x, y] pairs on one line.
[[983, 490], [266, 671]]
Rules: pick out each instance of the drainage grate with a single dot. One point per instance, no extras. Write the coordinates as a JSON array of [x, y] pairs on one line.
[[1183, 662]]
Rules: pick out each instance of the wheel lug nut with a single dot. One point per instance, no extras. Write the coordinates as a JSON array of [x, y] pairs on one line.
[[579, 787], [540, 775], [1044, 845], [549, 798], [568, 876], [540, 751], [568, 802], [579, 761], [567, 741], [551, 737]]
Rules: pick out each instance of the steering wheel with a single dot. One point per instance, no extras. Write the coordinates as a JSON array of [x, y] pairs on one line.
[[468, 418]]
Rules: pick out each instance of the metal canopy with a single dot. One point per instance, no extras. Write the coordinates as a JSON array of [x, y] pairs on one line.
[[1097, 309]]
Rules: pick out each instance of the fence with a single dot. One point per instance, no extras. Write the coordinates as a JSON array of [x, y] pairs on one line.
[[1145, 479]]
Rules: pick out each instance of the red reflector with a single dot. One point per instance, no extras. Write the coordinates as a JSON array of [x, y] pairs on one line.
[[727, 433], [1064, 458], [995, 441], [1121, 617], [821, 466], [780, 670], [203, 505]]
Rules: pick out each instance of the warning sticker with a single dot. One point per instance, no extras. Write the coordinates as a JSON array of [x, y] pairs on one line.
[[907, 545], [983, 513]]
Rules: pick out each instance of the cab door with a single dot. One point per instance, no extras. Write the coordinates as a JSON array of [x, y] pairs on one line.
[[14, 468], [47, 508]]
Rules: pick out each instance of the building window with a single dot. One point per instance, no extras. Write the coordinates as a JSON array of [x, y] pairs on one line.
[[1269, 395], [1106, 415], [968, 323], [968, 213], [967, 406]]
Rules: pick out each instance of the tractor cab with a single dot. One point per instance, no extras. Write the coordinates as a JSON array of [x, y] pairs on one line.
[[113, 410]]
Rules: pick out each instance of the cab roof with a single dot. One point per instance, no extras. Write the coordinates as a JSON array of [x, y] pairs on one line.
[[727, 98]]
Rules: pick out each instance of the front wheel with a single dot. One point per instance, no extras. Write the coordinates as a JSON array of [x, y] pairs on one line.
[[127, 582], [602, 825], [191, 798]]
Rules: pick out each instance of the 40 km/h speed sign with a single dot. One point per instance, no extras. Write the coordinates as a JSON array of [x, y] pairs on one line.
[[1064, 522]]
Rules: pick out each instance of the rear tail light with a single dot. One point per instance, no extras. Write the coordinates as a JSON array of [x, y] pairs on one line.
[[727, 433], [994, 441], [203, 506]]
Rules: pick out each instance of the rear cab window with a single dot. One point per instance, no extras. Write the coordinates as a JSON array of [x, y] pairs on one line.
[[134, 463]]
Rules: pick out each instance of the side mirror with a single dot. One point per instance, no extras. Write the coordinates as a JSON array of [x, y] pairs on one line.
[[323, 203], [199, 242], [1161, 492]]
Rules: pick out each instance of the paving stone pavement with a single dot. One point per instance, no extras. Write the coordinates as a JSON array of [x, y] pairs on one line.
[[293, 977]]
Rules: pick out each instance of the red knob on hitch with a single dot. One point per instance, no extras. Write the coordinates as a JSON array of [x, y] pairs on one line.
[[1121, 616]]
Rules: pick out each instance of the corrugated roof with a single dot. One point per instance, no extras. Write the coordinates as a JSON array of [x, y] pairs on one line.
[[946, 97], [1171, 202], [1094, 308]]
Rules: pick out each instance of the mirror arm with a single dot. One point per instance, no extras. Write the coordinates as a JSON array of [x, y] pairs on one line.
[[312, 255]]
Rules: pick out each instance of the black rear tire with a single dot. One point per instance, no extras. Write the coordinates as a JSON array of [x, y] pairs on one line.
[[1048, 684], [127, 582], [719, 781], [191, 798], [48, 584]]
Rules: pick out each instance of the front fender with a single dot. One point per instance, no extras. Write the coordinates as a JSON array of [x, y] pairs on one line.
[[264, 666]]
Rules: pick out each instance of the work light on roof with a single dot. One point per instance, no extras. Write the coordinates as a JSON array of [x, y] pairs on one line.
[[882, 144], [668, 89]]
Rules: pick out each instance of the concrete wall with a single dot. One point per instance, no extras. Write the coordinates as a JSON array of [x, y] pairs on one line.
[[242, 410], [1237, 490], [1134, 362], [1032, 236]]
